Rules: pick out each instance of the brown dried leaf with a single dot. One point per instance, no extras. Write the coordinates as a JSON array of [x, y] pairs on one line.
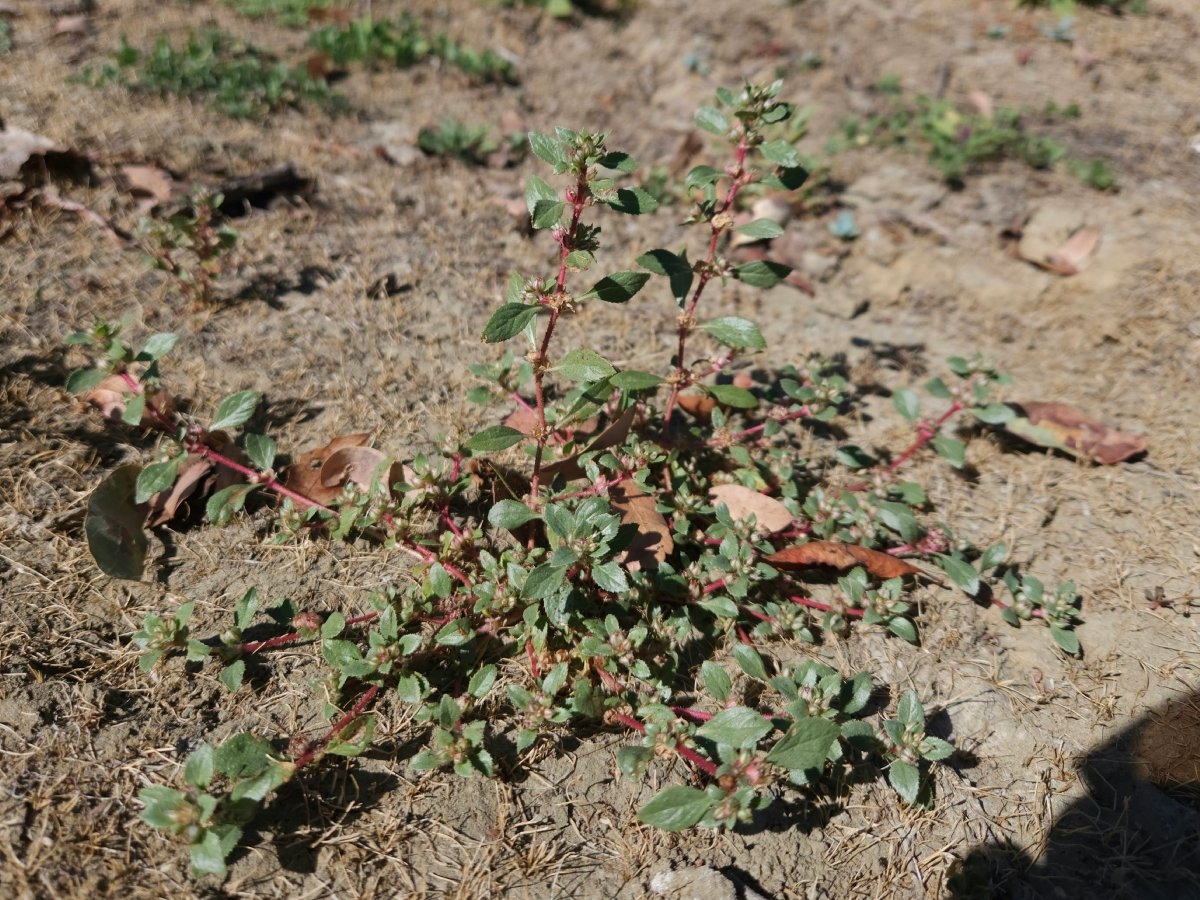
[[982, 101], [198, 476], [523, 419], [304, 475], [1070, 257], [112, 392], [698, 406], [25, 156], [1061, 426], [841, 556], [610, 437], [653, 543], [769, 513], [359, 465], [150, 184], [72, 25]]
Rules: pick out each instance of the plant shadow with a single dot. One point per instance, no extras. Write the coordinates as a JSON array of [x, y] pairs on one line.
[[1135, 835]]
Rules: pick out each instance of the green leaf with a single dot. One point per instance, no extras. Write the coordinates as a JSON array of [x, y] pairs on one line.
[[208, 854], [635, 381], [491, 440], [84, 380], [752, 664], [761, 229], [761, 273], [547, 213], [508, 321], [134, 407], [738, 726], [676, 808], [994, 413], [114, 525], [157, 346], [633, 201], [236, 409], [454, 634], [938, 388], [712, 120], [934, 749], [910, 711], [716, 680], [907, 403], [156, 477], [903, 629], [198, 770], [993, 556], [906, 779], [1067, 640], [732, 395], [619, 287], [781, 153], [618, 162], [543, 581], [950, 449], [961, 573], [806, 744], [586, 365], [231, 676], [224, 503], [721, 607], [610, 577], [261, 450], [333, 626], [736, 332], [854, 457], [537, 190], [481, 682], [674, 266], [510, 514], [546, 148], [242, 756]]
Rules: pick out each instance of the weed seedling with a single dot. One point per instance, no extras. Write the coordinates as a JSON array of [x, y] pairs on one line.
[[192, 246], [638, 550]]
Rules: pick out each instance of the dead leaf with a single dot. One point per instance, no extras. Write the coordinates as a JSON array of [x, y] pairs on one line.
[[610, 437], [29, 157], [769, 513], [698, 406], [151, 185], [360, 465], [72, 25], [111, 394], [304, 474], [839, 555], [199, 476], [523, 419], [1061, 426], [982, 102], [1070, 257], [49, 196], [653, 543]]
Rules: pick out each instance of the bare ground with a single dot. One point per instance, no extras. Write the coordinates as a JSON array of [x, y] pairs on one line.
[[1075, 777]]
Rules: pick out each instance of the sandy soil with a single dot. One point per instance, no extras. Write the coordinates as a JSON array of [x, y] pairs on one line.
[[1075, 777]]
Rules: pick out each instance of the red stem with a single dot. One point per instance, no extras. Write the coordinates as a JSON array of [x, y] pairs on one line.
[[285, 639], [925, 433], [813, 604], [704, 765], [363, 702]]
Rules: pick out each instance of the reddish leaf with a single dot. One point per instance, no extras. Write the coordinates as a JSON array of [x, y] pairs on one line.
[[769, 513], [698, 406], [359, 465], [1061, 426], [653, 543], [839, 555], [149, 184]]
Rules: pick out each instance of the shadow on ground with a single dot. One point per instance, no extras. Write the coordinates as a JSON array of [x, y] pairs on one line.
[[1135, 835]]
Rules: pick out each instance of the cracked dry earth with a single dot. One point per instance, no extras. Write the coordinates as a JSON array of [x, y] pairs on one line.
[[356, 309]]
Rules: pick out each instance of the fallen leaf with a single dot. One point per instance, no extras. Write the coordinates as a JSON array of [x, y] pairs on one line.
[[199, 476], [839, 555], [150, 184], [111, 394], [1061, 426], [698, 406], [29, 157], [523, 419], [610, 437], [304, 474], [1070, 257], [72, 25], [769, 513], [114, 525], [982, 102], [653, 543], [360, 465]]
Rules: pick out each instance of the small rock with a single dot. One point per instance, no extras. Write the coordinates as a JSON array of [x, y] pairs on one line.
[[695, 883]]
